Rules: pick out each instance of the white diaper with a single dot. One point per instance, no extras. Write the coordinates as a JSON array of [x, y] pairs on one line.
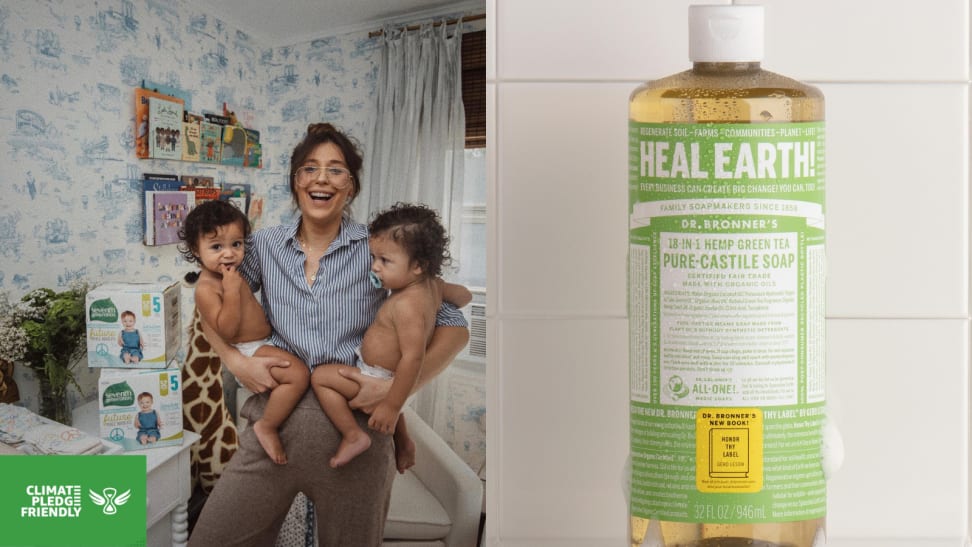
[[373, 371], [249, 348]]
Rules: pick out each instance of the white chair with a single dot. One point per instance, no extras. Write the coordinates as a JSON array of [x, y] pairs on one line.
[[436, 503]]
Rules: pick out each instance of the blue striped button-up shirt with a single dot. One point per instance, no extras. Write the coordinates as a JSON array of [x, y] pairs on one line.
[[325, 322]]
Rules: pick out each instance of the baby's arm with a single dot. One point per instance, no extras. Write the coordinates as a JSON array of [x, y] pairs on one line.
[[158, 418], [220, 311], [411, 327], [457, 295], [120, 343]]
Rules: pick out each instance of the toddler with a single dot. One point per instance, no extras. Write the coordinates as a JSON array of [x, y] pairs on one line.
[[214, 236], [408, 248]]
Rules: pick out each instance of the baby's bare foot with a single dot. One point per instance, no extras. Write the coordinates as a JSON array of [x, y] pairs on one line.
[[270, 441], [404, 453], [351, 445]]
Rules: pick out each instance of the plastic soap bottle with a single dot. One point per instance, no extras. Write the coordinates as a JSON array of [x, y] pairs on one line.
[[726, 275]]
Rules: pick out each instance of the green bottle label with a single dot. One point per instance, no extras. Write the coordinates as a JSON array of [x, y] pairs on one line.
[[726, 274]]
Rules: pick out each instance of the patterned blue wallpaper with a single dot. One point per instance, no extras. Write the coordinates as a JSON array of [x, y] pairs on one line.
[[68, 173]]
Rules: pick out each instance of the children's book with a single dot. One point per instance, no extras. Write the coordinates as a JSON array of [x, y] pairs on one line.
[[217, 119], [253, 154], [171, 91], [168, 213], [253, 157], [165, 129], [238, 195], [197, 181], [160, 176], [155, 182], [142, 142], [190, 141], [205, 194], [234, 145], [210, 142]]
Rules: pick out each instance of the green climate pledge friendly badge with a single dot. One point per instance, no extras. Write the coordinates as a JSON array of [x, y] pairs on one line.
[[72, 501]]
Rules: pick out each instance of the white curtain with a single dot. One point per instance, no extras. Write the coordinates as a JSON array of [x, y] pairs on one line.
[[415, 150]]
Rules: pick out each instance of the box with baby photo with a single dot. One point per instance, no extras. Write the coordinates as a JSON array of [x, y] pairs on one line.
[[133, 325], [140, 408]]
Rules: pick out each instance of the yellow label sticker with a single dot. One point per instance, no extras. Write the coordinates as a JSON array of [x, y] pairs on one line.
[[729, 450]]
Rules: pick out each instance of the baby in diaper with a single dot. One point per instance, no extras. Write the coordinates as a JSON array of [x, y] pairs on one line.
[[214, 235], [409, 247]]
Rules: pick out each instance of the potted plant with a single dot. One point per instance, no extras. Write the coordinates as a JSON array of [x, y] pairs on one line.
[[45, 331]]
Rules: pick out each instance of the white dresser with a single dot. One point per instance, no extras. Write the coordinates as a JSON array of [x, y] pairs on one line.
[[167, 485]]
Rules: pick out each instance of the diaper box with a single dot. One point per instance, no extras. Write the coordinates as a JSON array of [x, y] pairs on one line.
[[133, 325], [139, 408]]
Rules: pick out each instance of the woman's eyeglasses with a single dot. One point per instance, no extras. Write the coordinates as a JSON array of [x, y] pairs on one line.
[[339, 177]]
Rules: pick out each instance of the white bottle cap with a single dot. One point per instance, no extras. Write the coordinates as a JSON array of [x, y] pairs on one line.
[[726, 34]]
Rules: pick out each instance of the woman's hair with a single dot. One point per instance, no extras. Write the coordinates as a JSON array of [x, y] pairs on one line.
[[318, 134], [418, 230], [204, 219]]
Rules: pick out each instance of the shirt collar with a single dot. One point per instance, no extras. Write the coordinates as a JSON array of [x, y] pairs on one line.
[[350, 231]]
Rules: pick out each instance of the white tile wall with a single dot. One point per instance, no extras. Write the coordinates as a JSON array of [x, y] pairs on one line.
[[899, 391], [895, 75]]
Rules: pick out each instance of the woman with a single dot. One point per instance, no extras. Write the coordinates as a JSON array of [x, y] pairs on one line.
[[319, 300]]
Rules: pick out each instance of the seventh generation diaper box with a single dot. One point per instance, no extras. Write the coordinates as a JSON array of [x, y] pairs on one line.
[[133, 325], [141, 408]]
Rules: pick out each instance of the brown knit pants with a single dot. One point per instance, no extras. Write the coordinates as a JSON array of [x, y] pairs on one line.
[[249, 502]]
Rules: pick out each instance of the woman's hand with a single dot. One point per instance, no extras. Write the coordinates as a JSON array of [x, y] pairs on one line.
[[254, 372], [372, 390]]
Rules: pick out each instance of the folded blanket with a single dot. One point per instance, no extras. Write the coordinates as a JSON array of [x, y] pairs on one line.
[[55, 438], [42, 436], [15, 421]]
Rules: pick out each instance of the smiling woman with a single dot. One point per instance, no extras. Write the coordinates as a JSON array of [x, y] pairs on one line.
[[316, 319]]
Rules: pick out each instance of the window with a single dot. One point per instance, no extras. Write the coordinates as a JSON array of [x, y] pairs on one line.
[[472, 247], [474, 87]]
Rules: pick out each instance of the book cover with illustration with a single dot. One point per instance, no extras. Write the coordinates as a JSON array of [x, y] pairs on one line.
[[253, 155], [142, 96], [234, 145], [169, 210], [205, 194], [203, 186], [165, 129], [238, 195], [210, 142], [198, 181], [190, 141], [184, 95], [155, 182]]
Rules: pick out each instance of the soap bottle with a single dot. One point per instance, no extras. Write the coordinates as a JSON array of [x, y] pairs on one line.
[[726, 275]]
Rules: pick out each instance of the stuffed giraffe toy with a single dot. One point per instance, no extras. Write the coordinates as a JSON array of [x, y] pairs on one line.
[[204, 410]]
